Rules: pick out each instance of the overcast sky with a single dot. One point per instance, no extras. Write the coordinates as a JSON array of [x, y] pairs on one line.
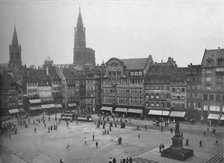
[[182, 29]]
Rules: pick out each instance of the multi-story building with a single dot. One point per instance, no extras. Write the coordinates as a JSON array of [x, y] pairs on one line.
[[8, 95], [123, 85], [93, 92], [178, 93], [194, 100], [157, 89], [82, 54], [212, 83]]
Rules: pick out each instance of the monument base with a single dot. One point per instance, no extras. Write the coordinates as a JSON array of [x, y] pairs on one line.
[[177, 154], [176, 151]]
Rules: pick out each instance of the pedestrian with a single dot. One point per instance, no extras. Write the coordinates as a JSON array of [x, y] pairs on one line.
[[67, 147], [216, 142], [114, 160], [110, 160], [187, 142], [130, 160], [85, 140], [138, 136], [61, 161], [96, 144], [200, 143], [160, 148], [35, 130], [9, 136]]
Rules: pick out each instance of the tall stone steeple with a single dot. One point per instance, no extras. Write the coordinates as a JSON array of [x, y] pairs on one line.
[[80, 36], [82, 55], [15, 51]]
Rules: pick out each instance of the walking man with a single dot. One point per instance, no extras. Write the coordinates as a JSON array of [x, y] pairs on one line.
[[93, 137], [200, 144]]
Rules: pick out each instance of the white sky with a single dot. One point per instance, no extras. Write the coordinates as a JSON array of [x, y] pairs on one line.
[[181, 29]]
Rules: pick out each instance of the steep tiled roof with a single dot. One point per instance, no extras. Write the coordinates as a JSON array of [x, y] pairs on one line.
[[135, 63], [214, 55]]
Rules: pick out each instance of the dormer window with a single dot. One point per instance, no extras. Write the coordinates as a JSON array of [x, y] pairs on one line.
[[210, 61], [220, 61]]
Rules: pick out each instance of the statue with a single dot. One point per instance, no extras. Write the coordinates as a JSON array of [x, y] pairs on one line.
[[177, 131]]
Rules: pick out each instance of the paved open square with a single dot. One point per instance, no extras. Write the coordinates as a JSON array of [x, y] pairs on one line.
[[74, 143]]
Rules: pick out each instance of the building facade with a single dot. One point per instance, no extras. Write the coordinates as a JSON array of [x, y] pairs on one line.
[[157, 89], [194, 98], [212, 83], [123, 85]]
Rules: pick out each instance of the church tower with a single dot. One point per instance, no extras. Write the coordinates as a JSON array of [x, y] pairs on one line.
[[82, 55], [15, 51]]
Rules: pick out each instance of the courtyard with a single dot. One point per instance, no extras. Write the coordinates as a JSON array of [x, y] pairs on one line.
[[48, 147]]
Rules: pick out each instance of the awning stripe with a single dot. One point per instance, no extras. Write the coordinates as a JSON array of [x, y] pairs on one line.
[[214, 116], [58, 105], [35, 107], [106, 109], [124, 110], [222, 118], [159, 112], [72, 104], [139, 111], [13, 111], [177, 114], [35, 101]]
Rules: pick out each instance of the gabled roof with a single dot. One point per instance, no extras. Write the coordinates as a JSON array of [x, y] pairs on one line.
[[135, 63], [212, 54]]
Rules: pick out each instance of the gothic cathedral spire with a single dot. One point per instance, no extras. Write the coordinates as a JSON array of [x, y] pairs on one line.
[[82, 55], [15, 51], [80, 36]]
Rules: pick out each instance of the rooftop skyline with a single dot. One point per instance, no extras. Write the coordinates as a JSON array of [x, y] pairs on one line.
[[121, 29]]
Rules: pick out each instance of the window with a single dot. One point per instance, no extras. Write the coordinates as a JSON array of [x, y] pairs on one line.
[[217, 97], [208, 79], [174, 90], [205, 97], [211, 97], [183, 89]]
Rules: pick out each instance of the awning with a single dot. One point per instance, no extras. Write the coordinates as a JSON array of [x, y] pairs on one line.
[[35, 101], [222, 118], [180, 114], [138, 111], [58, 105], [214, 116], [106, 108], [47, 106], [13, 111], [124, 110], [159, 112], [72, 104], [35, 107]]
